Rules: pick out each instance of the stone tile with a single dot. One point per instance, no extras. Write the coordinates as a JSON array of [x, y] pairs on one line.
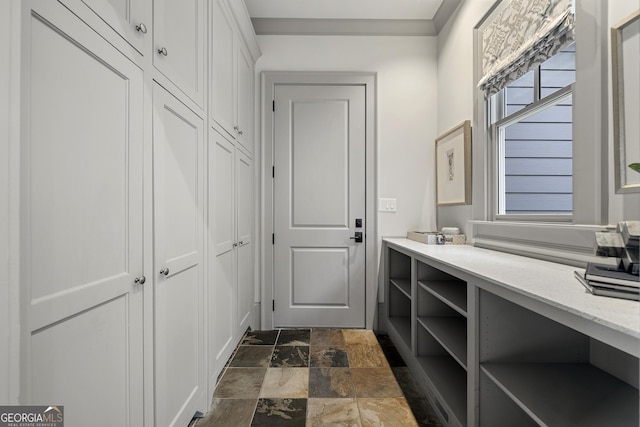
[[291, 356], [229, 412], [366, 356], [375, 382], [286, 382], [408, 383], [331, 383], [386, 412], [328, 357], [240, 383], [280, 413], [333, 412], [294, 337], [359, 337], [327, 337], [260, 337], [252, 356], [424, 413]]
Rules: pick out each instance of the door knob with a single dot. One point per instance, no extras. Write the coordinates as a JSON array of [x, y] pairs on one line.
[[141, 28], [164, 271], [357, 237], [140, 280]]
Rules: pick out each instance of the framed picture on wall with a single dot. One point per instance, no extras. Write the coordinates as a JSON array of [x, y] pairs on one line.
[[453, 166]]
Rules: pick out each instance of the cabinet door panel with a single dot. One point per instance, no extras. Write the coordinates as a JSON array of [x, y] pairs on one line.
[[223, 81], [244, 200], [245, 98], [179, 29], [223, 289], [178, 311], [82, 236]]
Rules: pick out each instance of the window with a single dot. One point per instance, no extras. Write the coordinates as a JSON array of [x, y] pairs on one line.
[[531, 132]]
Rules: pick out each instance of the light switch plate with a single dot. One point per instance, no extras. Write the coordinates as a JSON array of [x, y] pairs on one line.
[[386, 205]]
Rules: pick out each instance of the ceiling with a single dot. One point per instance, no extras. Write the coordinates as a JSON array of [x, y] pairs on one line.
[[350, 17]]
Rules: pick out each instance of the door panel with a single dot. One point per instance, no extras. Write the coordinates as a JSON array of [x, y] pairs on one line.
[[244, 203], [179, 28], [223, 81], [222, 287], [319, 189], [178, 329], [82, 210]]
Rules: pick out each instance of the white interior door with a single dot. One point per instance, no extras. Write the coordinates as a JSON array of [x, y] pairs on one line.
[[81, 218], [319, 193], [178, 138]]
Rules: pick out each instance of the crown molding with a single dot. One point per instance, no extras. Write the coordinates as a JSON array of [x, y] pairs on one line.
[[357, 27], [343, 27]]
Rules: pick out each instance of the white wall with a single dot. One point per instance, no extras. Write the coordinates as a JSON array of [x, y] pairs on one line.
[[406, 116]]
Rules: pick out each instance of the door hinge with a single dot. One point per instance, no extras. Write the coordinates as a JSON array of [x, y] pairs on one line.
[[273, 171], [273, 238], [273, 305], [274, 106]]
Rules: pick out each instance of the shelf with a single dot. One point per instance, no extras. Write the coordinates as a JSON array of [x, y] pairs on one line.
[[450, 380], [451, 333], [567, 394], [450, 292], [402, 326], [404, 285]]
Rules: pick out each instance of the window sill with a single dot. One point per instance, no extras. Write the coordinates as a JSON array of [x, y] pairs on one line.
[[558, 242]]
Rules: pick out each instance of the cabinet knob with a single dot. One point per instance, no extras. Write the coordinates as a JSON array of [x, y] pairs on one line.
[[235, 245], [240, 132], [141, 28], [163, 51], [164, 271], [236, 128], [240, 243], [140, 280]]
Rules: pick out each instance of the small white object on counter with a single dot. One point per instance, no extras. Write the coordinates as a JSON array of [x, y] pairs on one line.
[[450, 231]]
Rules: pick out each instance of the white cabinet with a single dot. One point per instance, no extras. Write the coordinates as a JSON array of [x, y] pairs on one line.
[[81, 219], [232, 77], [178, 48], [179, 371], [230, 218], [130, 19]]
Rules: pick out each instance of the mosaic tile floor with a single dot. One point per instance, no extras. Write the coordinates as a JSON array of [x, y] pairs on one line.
[[317, 377]]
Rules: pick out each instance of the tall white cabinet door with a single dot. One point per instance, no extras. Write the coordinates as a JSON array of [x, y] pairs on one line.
[[129, 18], [81, 214], [178, 138], [245, 216], [179, 36], [222, 244], [245, 98], [223, 80]]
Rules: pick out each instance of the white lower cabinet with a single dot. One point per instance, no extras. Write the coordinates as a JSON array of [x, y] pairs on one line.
[[179, 365], [81, 222], [499, 340], [230, 239]]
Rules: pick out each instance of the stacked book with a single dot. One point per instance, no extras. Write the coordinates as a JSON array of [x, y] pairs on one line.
[[630, 232], [610, 281]]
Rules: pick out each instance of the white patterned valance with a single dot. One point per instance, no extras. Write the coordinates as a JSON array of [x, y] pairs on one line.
[[522, 36]]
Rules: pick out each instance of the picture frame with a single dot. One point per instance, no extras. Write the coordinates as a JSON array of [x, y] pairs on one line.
[[453, 166], [625, 43]]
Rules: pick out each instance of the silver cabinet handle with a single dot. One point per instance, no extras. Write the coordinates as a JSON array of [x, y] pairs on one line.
[[163, 51], [164, 271], [141, 28], [240, 132], [240, 243], [140, 280]]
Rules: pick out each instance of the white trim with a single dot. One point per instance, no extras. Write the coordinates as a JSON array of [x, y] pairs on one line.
[[344, 27], [269, 80]]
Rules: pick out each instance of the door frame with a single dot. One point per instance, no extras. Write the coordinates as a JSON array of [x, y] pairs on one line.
[[269, 81]]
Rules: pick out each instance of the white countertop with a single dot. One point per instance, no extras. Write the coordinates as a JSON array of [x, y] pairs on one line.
[[544, 281]]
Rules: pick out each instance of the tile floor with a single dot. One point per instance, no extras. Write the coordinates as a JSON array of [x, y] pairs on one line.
[[317, 377]]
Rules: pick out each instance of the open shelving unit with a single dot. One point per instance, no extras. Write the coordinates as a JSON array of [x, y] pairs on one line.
[[493, 341]]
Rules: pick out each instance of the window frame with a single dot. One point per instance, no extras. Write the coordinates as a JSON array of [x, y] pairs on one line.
[[567, 242], [497, 147]]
